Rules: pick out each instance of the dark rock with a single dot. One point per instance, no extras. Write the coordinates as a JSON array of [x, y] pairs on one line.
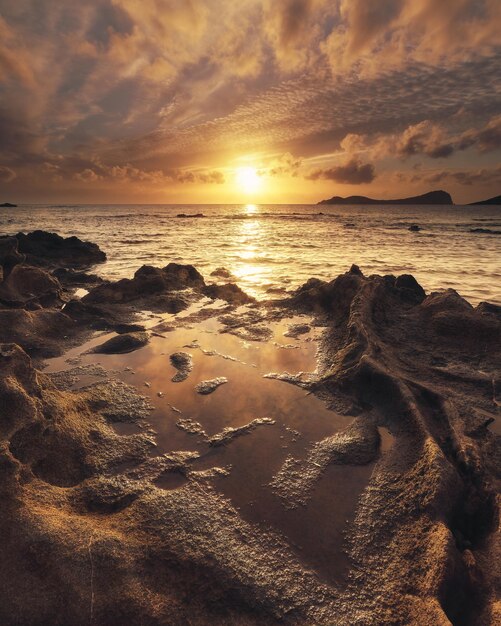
[[26, 285], [229, 292], [122, 344], [149, 281], [354, 269], [183, 362], [51, 249], [9, 254], [414, 228], [72, 278], [409, 288], [222, 272], [190, 215], [8, 205], [485, 231]]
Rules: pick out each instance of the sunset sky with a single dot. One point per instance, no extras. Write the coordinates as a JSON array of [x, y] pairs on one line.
[[251, 100]]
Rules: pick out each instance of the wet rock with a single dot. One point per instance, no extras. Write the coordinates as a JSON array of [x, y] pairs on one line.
[[72, 278], [485, 231], [191, 426], [222, 272], [183, 362], [42, 333], [190, 215], [253, 332], [122, 344], [9, 254], [414, 228], [229, 292], [410, 289], [354, 269], [118, 402], [230, 433], [108, 494], [356, 445], [209, 386], [296, 330], [46, 248], [26, 286], [151, 288]]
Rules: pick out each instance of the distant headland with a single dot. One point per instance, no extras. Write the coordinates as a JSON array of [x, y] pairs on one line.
[[495, 200], [432, 197], [8, 205]]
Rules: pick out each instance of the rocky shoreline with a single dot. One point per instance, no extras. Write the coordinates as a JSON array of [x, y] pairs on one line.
[[89, 538]]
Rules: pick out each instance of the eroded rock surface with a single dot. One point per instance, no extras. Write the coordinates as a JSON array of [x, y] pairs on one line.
[[183, 362], [205, 387], [88, 537], [121, 344]]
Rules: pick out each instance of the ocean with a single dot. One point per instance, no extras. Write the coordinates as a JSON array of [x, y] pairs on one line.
[[273, 248]]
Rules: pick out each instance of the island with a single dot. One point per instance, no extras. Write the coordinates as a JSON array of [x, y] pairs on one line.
[[432, 197], [496, 200], [8, 205]]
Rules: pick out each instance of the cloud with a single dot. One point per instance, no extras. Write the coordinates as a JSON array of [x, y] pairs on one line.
[[6, 174], [377, 37], [282, 165], [353, 172], [426, 138], [122, 91], [209, 177], [465, 177]]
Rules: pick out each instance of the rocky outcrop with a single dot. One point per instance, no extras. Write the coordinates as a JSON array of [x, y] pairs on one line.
[[50, 249], [121, 344], [150, 288]]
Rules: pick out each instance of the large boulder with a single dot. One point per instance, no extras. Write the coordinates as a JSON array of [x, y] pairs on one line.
[[43, 248], [122, 344], [31, 287], [148, 282], [9, 254]]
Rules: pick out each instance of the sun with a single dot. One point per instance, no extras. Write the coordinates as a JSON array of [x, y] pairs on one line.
[[248, 179]]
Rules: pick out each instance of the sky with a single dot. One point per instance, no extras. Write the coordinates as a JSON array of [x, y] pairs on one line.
[[285, 101]]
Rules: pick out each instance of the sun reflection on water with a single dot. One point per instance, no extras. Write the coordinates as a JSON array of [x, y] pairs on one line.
[[250, 209], [247, 270]]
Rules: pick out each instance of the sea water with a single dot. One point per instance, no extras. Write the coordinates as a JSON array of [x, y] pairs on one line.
[[270, 248]]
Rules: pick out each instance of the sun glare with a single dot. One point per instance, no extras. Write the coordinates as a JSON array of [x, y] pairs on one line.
[[248, 179]]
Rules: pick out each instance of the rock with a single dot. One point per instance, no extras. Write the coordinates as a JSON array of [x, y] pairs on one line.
[[51, 249], [190, 215], [295, 330], [183, 362], [228, 434], [43, 333], [8, 205], [122, 344], [27, 285], [485, 231], [209, 386], [229, 292], [191, 426], [222, 272], [354, 269], [72, 278], [414, 228], [151, 287], [409, 288], [9, 254]]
